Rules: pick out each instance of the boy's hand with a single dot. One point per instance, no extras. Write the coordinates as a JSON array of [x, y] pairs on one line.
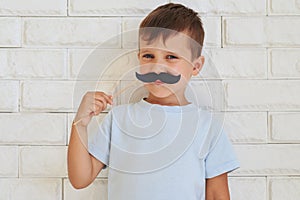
[[91, 105]]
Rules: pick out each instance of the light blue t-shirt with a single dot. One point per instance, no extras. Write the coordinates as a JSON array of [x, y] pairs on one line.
[[161, 152]]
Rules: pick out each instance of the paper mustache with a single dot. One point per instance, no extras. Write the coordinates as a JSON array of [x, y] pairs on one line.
[[163, 77]]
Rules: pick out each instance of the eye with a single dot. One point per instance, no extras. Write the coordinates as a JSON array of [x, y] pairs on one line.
[[148, 56], [171, 57]]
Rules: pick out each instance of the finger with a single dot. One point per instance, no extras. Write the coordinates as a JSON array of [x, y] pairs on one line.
[[102, 103], [94, 107], [104, 97], [108, 99]]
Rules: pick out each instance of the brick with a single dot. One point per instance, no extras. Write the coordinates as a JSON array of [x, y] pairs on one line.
[[9, 162], [10, 32], [234, 63], [263, 95], [212, 28], [246, 127], [77, 64], [47, 96], [248, 188], [113, 8], [226, 7], [37, 63], [130, 32], [114, 65], [270, 159], [61, 96], [284, 188], [46, 189], [9, 98], [23, 128], [284, 127], [43, 161], [207, 94], [284, 63], [283, 31], [262, 31], [281, 7], [3, 63], [247, 31], [34, 8], [97, 190], [80, 32]]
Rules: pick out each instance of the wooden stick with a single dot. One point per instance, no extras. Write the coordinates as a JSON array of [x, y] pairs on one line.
[[123, 89]]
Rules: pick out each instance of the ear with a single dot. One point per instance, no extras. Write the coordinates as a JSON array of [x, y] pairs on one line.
[[138, 55], [197, 65]]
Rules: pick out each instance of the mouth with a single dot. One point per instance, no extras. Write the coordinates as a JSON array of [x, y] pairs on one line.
[[158, 82]]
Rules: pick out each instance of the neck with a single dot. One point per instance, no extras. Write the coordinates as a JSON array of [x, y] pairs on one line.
[[171, 100]]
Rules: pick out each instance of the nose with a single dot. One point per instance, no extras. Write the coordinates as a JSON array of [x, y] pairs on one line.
[[158, 68], [159, 65]]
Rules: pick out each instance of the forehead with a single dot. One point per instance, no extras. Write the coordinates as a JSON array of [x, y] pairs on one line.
[[179, 44]]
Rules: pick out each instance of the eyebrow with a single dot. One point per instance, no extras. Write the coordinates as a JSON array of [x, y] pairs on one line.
[[144, 51], [168, 52]]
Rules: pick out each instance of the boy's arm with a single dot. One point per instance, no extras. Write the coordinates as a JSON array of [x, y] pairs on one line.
[[217, 188], [83, 168]]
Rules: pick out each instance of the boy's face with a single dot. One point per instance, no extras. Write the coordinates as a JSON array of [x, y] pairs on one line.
[[174, 57]]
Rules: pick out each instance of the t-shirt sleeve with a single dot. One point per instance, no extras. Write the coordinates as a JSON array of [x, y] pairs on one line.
[[99, 141], [221, 157]]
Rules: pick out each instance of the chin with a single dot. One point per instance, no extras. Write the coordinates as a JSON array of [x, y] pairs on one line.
[[159, 92]]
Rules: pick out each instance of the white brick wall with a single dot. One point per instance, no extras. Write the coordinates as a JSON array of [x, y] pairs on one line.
[[284, 188], [246, 63], [9, 98], [226, 7], [43, 161], [10, 32], [114, 8], [284, 126], [285, 63], [33, 63], [9, 161], [252, 51], [281, 7], [29, 128], [71, 31], [261, 31], [250, 188], [44, 188], [263, 95], [35, 8], [97, 190]]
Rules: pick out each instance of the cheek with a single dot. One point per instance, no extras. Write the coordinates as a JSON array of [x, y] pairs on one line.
[[186, 74], [183, 69], [145, 67], [175, 69]]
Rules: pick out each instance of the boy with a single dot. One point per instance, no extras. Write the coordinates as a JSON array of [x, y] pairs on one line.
[[161, 147]]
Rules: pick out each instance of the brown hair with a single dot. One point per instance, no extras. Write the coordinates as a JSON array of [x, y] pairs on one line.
[[177, 18]]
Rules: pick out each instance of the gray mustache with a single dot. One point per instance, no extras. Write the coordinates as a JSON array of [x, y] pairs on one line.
[[163, 77]]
